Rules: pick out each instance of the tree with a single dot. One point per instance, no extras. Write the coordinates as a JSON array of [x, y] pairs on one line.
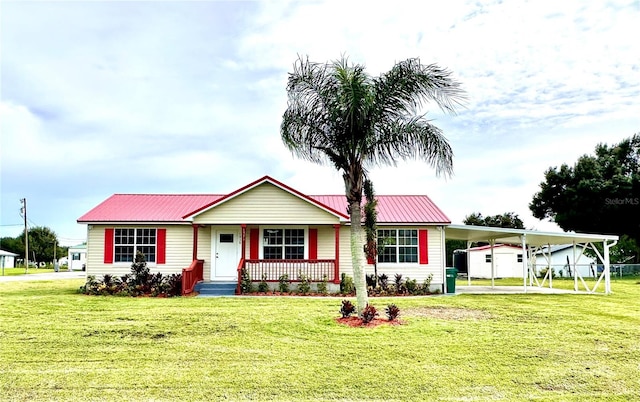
[[338, 114], [371, 227], [506, 220], [42, 241], [599, 194], [13, 244]]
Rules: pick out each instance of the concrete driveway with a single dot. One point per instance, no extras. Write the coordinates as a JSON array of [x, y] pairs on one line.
[[44, 277]]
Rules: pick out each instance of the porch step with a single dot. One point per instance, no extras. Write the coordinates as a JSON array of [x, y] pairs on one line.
[[210, 289]]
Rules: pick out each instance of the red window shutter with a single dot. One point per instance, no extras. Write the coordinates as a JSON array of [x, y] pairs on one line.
[[423, 246], [108, 246], [161, 246], [313, 244], [254, 243]]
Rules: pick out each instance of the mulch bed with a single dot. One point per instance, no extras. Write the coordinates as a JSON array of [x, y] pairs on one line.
[[357, 322]]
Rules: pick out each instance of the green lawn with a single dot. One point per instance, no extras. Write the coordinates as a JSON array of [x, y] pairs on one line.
[[58, 345], [32, 270]]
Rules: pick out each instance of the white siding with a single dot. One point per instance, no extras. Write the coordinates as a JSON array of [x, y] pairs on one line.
[[266, 204], [178, 251], [506, 263], [204, 250], [412, 271], [326, 242]]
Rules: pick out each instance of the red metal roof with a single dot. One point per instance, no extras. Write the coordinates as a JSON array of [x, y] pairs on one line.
[[403, 209], [147, 207], [394, 208]]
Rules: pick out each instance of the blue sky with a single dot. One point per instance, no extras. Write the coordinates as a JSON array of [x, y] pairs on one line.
[[111, 97]]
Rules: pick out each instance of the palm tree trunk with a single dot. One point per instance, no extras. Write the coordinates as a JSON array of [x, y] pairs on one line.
[[357, 256]]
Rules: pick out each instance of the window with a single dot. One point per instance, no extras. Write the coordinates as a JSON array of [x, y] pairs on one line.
[[75, 257], [128, 241], [400, 245], [226, 237], [487, 258], [278, 244], [519, 257]]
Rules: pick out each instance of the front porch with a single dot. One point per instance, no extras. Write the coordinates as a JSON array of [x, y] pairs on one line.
[[266, 270], [234, 249]]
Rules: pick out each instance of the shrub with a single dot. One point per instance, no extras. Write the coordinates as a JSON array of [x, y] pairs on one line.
[[368, 314], [139, 282], [371, 281], [263, 287], [283, 283], [347, 308], [543, 272], [346, 285], [383, 281], [426, 286], [246, 285], [392, 312], [398, 281], [411, 285], [90, 286], [174, 285], [304, 286], [322, 286]]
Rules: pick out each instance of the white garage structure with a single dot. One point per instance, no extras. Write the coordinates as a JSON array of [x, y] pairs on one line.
[[533, 242]]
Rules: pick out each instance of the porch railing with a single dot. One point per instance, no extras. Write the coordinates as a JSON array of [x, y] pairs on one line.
[[191, 276], [239, 269], [315, 270]]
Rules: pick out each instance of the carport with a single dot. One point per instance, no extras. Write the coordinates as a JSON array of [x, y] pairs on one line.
[[533, 241]]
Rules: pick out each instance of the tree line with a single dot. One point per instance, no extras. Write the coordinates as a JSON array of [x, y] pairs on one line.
[[43, 245]]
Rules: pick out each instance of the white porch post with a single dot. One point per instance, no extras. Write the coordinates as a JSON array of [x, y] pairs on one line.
[[443, 249]]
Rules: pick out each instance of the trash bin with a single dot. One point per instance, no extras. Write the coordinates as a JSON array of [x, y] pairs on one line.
[[452, 274]]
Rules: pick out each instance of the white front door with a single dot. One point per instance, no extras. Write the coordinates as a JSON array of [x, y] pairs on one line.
[[225, 253]]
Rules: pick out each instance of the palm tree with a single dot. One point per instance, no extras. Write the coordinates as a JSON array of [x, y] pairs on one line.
[[339, 114]]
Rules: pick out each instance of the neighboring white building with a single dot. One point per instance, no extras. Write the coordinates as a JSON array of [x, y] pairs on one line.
[[7, 259], [507, 261], [77, 258], [560, 258]]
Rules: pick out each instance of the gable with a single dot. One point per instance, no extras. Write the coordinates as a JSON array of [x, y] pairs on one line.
[[266, 204]]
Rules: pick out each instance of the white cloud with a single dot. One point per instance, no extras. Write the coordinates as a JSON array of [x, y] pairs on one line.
[[188, 96]]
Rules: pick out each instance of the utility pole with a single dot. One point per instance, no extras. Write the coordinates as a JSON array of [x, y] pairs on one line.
[[23, 211]]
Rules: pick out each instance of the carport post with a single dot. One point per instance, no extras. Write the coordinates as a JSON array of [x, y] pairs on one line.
[[550, 272], [492, 242], [575, 268], [607, 271], [468, 262], [525, 271]]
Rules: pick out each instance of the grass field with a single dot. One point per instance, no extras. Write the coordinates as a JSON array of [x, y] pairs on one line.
[[56, 344], [20, 271]]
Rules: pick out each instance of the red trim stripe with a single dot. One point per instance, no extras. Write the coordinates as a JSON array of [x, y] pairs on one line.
[[108, 246], [423, 246], [161, 239]]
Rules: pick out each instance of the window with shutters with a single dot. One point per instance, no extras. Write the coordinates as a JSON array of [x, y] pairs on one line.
[[398, 246], [127, 241], [283, 244]]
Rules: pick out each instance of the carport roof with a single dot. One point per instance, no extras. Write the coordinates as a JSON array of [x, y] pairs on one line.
[[513, 236]]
